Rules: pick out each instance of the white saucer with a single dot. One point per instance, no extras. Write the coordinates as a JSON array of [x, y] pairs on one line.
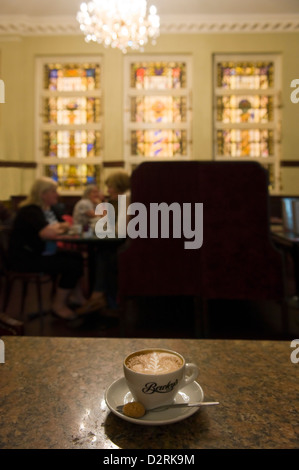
[[118, 394]]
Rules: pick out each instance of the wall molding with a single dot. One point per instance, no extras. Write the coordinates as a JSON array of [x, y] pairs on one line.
[[17, 164], [15, 26], [113, 164]]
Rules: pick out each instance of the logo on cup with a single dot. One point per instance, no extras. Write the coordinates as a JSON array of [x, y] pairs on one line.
[[153, 387]]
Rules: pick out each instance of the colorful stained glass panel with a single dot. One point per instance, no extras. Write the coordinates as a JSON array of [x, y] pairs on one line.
[[158, 143], [71, 77], [245, 142], [158, 75], [245, 75], [164, 109], [65, 144], [77, 110], [249, 108], [73, 176]]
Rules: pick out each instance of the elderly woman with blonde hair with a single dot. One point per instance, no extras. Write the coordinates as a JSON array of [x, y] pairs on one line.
[[33, 247]]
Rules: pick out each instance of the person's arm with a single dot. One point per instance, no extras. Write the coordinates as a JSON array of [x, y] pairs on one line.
[[51, 231]]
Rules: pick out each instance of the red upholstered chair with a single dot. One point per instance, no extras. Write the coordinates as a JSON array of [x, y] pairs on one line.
[[156, 267], [237, 259]]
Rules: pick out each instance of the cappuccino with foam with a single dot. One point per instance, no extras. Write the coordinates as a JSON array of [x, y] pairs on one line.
[[154, 376], [154, 362]]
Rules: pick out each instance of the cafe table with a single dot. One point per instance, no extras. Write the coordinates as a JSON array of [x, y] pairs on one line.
[[288, 242], [89, 244], [53, 395]]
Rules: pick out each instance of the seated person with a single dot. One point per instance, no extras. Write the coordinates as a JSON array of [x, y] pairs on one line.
[[5, 215], [84, 210], [118, 184], [33, 247], [105, 283]]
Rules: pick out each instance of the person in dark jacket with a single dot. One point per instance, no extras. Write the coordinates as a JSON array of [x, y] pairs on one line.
[[33, 247]]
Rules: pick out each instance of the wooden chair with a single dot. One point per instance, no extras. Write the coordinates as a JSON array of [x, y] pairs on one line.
[[25, 278], [10, 326], [237, 259]]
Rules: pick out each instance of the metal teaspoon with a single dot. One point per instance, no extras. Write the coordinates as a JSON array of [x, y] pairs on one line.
[[176, 405]]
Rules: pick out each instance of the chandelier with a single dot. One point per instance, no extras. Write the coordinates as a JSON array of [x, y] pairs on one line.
[[122, 24]]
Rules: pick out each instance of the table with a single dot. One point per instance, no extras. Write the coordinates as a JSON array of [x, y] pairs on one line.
[[289, 243], [91, 245], [52, 395]]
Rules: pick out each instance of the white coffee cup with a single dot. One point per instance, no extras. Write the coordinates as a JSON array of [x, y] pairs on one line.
[[154, 376]]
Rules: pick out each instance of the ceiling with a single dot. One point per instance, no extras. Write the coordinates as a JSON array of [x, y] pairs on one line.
[[36, 8]]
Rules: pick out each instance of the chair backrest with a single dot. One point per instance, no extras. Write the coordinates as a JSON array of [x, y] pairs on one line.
[[4, 242], [161, 266], [237, 258]]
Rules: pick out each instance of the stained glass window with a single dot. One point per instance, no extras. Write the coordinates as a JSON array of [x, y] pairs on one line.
[[158, 113], [158, 75], [242, 74], [75, 110], [73, 177], [158, 143], [247, 110], [245, 143], [71, 77], [70, 98], [158, 109], [65, 144]]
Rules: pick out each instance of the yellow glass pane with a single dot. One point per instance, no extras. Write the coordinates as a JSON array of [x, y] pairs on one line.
[[251, 75], [68, 111], [245, 143], [71, 77], [158, 143], [65, 144], [158, 75], [73, 176], [246, 108], [165, 109]]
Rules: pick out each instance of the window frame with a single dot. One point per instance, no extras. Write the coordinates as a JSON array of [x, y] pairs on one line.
[[40, 126], [274, 125], [130, 160]]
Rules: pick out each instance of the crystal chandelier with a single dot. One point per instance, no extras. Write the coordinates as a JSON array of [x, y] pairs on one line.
[[122, 24]]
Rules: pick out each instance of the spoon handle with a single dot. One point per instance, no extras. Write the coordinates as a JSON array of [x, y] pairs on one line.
[[185, 405], [177, 405]]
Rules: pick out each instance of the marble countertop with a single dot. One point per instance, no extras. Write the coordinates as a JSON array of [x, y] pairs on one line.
[[52, 395]]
